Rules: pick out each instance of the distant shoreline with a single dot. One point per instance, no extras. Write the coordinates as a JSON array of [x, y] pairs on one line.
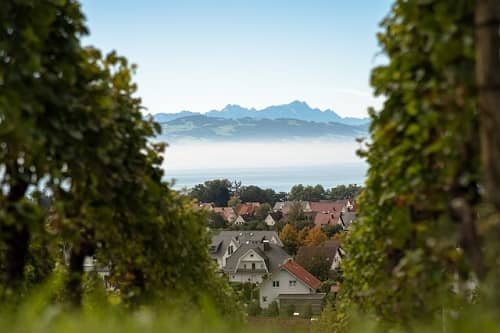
[[280, 179]]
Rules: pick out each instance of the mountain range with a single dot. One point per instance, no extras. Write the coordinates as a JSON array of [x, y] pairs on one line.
[[293, 120], [294, 110]]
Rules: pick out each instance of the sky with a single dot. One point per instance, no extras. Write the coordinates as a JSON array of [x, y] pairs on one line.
[[200, 55]]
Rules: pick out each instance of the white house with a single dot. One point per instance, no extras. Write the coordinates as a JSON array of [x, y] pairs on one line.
[[291, 284], [251, 262], [337, 259], [239, 220], [270, 221], [227, 242]]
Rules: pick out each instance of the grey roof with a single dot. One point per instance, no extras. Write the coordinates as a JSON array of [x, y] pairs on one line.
[[274, 256], [221, 241], [302, 296], [347, 219], [285, 206]]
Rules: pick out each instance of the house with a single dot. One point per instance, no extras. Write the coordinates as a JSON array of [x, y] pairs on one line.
[[239, 220], [251, 262], [337, 259], [324, 218], [331, 212], [227, 213], [347, 218], [247, 210], [289, 285], [206, 205], [103, 272], [285, 206], [225, 243], [272, 218]]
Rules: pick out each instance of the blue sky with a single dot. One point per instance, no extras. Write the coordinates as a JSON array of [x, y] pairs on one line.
[[202, 55]]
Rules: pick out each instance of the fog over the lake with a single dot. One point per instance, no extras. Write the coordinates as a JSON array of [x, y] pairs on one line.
[[292, 153], [277, 165]]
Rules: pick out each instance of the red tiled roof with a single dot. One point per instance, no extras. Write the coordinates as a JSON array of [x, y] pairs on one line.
[[225, 212], [300, 273], [327, 206], [247, 209], [326, 218]]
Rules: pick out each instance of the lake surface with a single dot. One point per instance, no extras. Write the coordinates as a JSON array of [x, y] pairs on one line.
[[277, 178]]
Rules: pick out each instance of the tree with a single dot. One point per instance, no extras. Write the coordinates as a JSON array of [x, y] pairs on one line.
[[302, 236], [256, 194], [341, 192], [332, 229], [72, 126], [422, 187], [296, 212], [289, 237], [234, 202], [262, 211], [315, 236], [487, 16], [316, 260], [307, 193], [41, 99], [215, 220], [217, 191]]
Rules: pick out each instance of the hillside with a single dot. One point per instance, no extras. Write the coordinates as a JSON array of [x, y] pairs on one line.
[[205, 127]]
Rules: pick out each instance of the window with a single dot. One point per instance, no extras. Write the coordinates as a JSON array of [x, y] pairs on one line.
[[230, 250], [251, 255], [292, 283], [253, 266], [276, 284], [264, 298], [245, 266], [261, 265]]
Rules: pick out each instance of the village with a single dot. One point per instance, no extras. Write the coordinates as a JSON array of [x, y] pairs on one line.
[[290, 266]]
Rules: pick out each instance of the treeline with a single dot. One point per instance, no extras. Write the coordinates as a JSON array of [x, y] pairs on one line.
[[80, 177], [223, 192]]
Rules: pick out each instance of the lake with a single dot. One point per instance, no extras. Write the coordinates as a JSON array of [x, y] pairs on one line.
[[278, 178]]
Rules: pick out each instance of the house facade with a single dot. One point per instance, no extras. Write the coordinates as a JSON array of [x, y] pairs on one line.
[[291, 284], [225, 244], [252, 262]]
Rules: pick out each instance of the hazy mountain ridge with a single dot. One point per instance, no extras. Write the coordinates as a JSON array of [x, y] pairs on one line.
[[294, 110], [211, 128]]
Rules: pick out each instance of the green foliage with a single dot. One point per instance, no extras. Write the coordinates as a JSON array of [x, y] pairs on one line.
[[402, 257], [307, 193], [217, 191], [253, 309], [307, 312], [256, 194], [332, 229], [215, 220], [262, 211], [72, 127], [272, 310], [341, 192], [288, 310], [234, 202], [317, 262]]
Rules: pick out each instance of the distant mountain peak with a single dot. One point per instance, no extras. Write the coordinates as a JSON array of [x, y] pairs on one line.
[[296, 109]]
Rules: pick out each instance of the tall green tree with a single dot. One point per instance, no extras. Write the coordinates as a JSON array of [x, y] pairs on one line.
[[217, 191], [422, 188], [70, 124]]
